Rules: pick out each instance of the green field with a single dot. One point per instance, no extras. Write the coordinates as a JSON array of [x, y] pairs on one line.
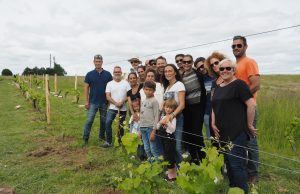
[[39, 158]]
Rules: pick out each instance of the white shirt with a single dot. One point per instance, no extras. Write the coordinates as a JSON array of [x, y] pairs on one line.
[[170, 126], [172, 92], [118, 91]]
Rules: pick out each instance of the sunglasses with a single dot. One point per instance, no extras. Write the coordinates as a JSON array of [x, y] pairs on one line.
[[134, 62], [187, 62], [177, 61], [227, 68], [215, 63], [236, 45], [201, 66]]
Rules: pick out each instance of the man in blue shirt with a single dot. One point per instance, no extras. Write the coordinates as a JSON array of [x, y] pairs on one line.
[[95, 99]]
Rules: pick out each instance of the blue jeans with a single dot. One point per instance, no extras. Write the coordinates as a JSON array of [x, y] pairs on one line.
[[149, 146], [110, 116], [206, 123], [178, 137], [252, 167], [93, 108], [237, 172]]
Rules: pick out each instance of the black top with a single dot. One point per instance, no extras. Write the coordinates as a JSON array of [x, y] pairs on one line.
[[136, 95], [230, 110]]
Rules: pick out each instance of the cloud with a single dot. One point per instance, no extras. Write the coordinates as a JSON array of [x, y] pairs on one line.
[[73, 31]]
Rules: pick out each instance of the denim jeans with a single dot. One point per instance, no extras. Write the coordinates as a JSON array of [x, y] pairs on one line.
[[93, 108], [236, 163], [110, 116], [149, 146], [206, 123], [252, 167], [178, 137]]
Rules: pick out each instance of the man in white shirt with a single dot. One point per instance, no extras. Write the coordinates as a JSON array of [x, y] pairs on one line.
[[116, 95]]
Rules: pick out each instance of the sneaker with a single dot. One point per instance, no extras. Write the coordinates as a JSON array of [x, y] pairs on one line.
[[106, 145]]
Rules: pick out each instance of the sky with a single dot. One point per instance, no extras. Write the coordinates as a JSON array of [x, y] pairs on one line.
[[75, 30]]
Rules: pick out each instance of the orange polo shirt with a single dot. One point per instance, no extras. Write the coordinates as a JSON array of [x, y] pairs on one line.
[[246, 67]]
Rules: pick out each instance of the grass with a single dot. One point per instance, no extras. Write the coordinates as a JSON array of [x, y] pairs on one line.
[[40, 158]]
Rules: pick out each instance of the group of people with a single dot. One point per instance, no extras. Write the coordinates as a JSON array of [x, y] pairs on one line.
[[169, 104]]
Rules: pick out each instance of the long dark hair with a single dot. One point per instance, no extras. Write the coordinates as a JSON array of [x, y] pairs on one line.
[[163, 79]]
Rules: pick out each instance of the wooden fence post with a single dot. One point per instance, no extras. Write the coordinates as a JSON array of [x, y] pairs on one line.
[[47, 99], [43, 82], [75, 82], [55, 83], [30, 81]]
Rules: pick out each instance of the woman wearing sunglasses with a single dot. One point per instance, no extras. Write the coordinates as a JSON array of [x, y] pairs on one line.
[[233, 109]]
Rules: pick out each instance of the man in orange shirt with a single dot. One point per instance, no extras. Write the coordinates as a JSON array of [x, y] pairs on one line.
[[247, 70]]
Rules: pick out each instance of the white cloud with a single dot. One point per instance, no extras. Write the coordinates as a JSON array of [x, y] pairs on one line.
[[73, 31]]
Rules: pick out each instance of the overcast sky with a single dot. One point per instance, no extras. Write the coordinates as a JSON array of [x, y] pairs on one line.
[[75, 30]]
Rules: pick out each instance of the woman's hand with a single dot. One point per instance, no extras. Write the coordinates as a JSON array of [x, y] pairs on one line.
[[216, 131], [166, 119]]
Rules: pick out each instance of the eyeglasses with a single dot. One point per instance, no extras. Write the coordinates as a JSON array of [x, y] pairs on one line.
[[236, 45], [227, 68], [187, 62], [179, 60], [215, 63]]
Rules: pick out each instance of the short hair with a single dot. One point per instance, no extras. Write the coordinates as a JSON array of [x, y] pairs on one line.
[[141, 66], [232, 63], [115, 67], [179, 55], [150, 70], [202, 59], [98, 57], [239, 37], [161, 57], [171, 103], [150, 84], [188, 55]]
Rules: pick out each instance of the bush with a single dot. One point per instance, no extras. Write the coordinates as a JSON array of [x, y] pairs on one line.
[[6, 72]]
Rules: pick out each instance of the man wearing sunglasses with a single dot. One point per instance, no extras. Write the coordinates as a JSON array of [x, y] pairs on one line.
[[247, 70], [135, 62], [178, 60]]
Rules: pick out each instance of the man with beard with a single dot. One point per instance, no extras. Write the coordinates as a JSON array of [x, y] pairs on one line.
[[247, 70], [95, 99], [161, 62], [116, 95]]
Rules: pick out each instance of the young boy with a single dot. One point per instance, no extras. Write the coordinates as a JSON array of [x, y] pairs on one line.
[[149, 118], [168, 138]]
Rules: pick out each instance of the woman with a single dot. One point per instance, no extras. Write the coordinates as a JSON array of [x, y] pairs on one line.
[[141, 72], [213, 63], [233, 109], [134, 93], [195, 97], [174, 89]]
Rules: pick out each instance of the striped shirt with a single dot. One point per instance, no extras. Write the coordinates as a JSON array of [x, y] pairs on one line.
[[192, 86]]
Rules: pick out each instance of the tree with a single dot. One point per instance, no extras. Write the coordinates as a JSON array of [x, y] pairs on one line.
[[59, 70], [6, 72]]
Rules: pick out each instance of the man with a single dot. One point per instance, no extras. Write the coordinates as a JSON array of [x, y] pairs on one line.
[[135, 62], [199, 65], [247, 70], [178, 60], [116, 95], [161, 62], [95, 98]]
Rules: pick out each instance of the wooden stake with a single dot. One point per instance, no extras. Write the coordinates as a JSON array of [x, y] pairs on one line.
[[55, 83], [75, 82], [47, 99], [43, 81], [30, 81]]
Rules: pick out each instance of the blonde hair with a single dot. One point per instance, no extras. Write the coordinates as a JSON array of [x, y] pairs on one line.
[[171, 103]]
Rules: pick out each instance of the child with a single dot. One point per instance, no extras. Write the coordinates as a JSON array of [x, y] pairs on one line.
[[166, 132], [149, 118], [135, 128]]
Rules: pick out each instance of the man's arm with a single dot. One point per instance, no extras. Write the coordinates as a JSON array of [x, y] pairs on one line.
[[110, 100], [254, 83], [86, 95]]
